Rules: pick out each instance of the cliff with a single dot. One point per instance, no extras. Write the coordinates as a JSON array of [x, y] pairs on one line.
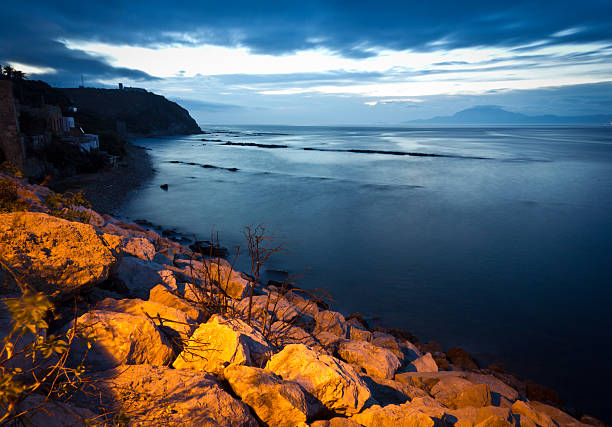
[[144, 113]]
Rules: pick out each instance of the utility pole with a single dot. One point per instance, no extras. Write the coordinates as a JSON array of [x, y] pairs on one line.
[[82, 82]]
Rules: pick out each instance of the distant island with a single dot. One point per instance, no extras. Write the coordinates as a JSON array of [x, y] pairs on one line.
[[496, 115]]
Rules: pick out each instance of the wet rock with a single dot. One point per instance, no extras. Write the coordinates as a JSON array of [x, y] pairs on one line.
[[276, 402], [376, 361], [455, 392], [118, 338], [333, 382], [52, 254], [156, 396], [220, 342]]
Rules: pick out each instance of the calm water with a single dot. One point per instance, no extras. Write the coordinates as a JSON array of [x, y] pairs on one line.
[[503, 247]]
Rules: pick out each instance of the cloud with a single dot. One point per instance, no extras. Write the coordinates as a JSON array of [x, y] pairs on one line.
[[355, 30]]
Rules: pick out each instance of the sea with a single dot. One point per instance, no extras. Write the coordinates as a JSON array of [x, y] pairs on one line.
[[494, 239]]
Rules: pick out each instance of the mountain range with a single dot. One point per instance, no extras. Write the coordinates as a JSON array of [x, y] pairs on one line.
[[496, 115]]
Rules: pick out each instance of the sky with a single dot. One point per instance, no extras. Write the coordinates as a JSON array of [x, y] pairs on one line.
[[324, 62]]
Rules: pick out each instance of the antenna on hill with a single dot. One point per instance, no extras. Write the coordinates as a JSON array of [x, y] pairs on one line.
[[82, 82]]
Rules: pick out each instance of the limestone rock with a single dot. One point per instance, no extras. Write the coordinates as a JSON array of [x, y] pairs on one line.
[[333, 382], [501, 393], [162, 295], [525, 410], [278, 309], [406, 415], [156, 395], [335, 422], [285, 333], [276, 402], [332, 322], [557, 415], [220, 342], [391, 392], [470, 416], [161, 315], [461, 359], [52, 254], [376, 361], [328, 340], [139, 247], [139, 276], [424, 363], [383, 340], [357, 333], [304, 305], [119, 338], [48, 413], [456, 393]]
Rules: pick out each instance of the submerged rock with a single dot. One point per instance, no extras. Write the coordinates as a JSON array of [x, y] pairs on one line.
[[333, 382], [51, 254]]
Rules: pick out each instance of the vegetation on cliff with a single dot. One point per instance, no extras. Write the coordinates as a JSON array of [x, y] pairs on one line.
[[144, 113]]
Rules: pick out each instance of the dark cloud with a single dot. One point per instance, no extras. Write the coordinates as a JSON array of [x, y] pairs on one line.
[[30, 31]]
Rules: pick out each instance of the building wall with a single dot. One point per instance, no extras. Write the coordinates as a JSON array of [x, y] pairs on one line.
[[11, 144]]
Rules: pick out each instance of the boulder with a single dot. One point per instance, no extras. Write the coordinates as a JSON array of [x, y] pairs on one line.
[[305, 306], [44, 412], [410, 414], [525, 410], [162, 316], [328, 341], [276, 402], [160, 294], [384, 340], [425, 380], [333, 382], [470, 416], [282, 334], [424, 363], [278, 309], [139, 276], [118, 338], [461, 359], [51, 254], [501, 393], [332, 322], [139, 248], [358, 333], [391, 392], [455, 392], [157, 395], [335, 422], [376, 361], [557, 415], [220, 342]]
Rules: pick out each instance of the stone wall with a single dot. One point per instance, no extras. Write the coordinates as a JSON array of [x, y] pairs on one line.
[[11, 145]]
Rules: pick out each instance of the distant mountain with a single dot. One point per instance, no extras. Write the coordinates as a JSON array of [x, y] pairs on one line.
[[144, 113], [495, 115]]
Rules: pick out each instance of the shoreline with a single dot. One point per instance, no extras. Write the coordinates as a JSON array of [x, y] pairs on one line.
[[107, 190]]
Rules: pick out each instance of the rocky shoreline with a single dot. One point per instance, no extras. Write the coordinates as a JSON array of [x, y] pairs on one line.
[[169, 337], [107, 190]]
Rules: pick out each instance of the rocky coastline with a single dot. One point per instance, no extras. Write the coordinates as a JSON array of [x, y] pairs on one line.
[[167, 336]]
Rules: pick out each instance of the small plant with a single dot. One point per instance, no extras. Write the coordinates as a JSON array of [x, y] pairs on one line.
[[31, 360], [9, 198], [66, 206]]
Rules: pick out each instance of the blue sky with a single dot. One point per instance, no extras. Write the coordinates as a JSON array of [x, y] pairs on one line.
[[325, 62]]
